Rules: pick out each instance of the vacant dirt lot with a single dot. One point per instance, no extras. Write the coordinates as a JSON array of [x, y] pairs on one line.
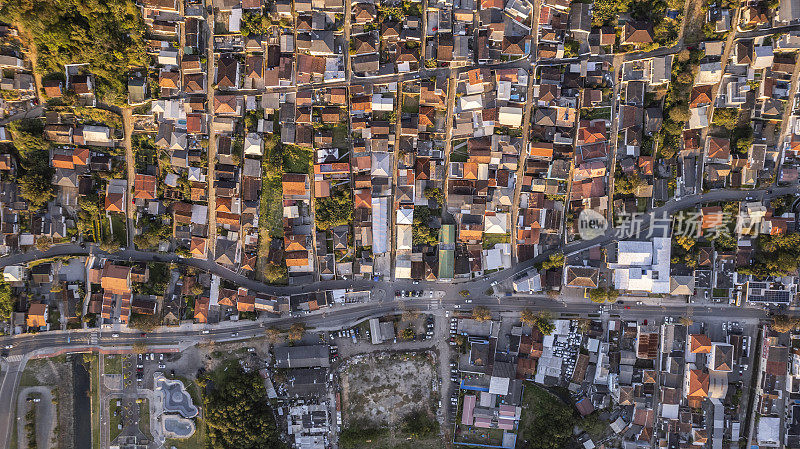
[[384, 388], [56, 374]]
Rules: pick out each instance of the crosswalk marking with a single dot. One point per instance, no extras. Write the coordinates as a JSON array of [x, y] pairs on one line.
[[14, 358]]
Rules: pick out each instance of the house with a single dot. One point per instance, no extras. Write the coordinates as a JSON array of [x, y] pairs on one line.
[[144, 187], [637, 33], [116, 194], [37, 316], [116, 279], [581, 277], [227, 72], [201, 309]]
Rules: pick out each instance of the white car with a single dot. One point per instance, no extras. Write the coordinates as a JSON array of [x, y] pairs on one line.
[[115, 335], [161, 366], [8, 346], [205, 331]]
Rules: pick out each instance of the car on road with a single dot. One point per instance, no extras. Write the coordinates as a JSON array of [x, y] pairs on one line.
[[9, 346], [142, 334], [627, 307], [161, 366], [234, 334], [115, 335], [469, 301]]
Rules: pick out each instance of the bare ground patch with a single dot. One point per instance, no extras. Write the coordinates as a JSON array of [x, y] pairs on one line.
[[384, 390]]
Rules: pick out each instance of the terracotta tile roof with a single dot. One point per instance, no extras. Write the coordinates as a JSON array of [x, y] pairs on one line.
[[198, 247], [144, 187], [116, 278], [698, 384], [699, 344]]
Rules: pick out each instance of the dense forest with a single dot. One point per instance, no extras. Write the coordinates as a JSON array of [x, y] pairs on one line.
[[238, 415], [106, 34]]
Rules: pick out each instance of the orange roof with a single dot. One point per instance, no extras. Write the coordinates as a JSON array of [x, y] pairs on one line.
[[296, 258], [116, 279], [114, 202], [591, 134], [712, 217], [719, 148], [332, 168], [80, 156], [700, 95], [201, 309], [224, 204], [470, 170], [541, 150], [144, 187], [198, 246], [700, 344], [246, 303], [294, 184], [63, 161], [294, 243], [698, 384], [363, 199], [36, 315]]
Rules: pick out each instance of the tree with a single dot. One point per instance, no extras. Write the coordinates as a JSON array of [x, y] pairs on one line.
[[527, 317], [6, 301], [35, 184], [408, 333], [435, 193], [108, 35], [44, 243], [274, 335], [274, 273], [419, 424], [597, 295], [421, 231], [139, 347], [602, 294], [544, 322], [334, 210], [784, 323], [238, 415], [725, 118], [296, 331], [481, 313], [679, 114], [627, 184], [556, 260]]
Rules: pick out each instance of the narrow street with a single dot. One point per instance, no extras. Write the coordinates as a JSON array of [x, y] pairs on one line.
[[212, 137]]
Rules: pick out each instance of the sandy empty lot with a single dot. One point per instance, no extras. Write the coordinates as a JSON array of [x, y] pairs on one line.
[[383, 388]]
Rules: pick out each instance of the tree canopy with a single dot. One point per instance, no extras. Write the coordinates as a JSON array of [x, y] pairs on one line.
[[238, 415], [6, 301], [776, 255], [108, 35], [334, 210], [34, 157]]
